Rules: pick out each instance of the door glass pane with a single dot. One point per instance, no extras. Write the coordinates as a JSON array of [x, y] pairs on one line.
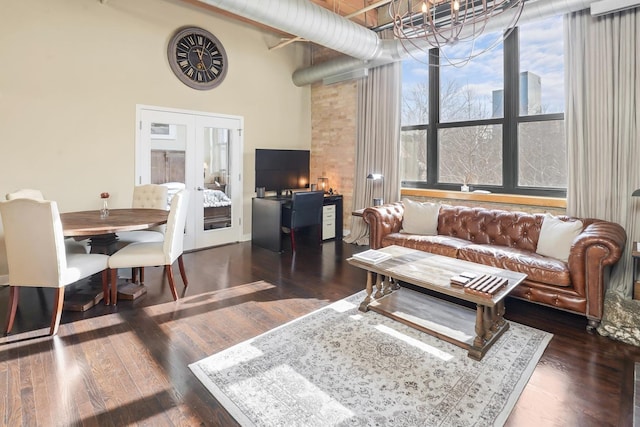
[[217, 188], [168, 144]]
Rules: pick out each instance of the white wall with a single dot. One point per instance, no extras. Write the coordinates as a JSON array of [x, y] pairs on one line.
[[73, 71]]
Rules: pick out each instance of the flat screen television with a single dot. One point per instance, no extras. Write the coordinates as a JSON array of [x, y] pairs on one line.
[[280, 170]]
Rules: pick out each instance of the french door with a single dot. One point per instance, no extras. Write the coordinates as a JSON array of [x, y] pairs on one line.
[[202, 153]]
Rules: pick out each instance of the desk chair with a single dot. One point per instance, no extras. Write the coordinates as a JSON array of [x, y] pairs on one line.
[[305, 210], [36, 254], [149, 254], [71, 245]]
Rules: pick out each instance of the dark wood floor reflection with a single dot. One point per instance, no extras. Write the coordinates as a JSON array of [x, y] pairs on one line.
[[128, 365]]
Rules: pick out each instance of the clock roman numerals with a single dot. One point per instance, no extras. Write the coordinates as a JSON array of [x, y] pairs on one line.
[[197, 58]]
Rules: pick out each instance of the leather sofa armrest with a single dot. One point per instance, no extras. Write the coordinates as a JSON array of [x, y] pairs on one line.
[[383, 220], [610, 236], [599, 246]]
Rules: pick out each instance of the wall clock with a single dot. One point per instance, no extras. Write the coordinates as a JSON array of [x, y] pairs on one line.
[[197, 58]]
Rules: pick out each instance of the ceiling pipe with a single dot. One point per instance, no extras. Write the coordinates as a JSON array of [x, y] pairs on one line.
[[316, 24], [306, 19]]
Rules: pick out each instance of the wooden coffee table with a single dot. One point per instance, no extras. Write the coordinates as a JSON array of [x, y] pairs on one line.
[[475, 331]]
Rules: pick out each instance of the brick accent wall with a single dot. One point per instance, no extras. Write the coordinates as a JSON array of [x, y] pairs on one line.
[[333, 135]]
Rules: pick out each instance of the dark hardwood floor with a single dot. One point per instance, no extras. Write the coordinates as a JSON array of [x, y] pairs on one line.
[[128, 365]]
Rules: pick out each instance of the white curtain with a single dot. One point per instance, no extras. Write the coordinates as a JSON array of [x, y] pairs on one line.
[[377, 143], [602, 73]]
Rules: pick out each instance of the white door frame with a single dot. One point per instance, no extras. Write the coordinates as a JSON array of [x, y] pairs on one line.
[[195, 121]]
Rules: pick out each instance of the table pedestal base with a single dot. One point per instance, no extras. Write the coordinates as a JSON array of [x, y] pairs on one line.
[[131, 291], [84, 296]]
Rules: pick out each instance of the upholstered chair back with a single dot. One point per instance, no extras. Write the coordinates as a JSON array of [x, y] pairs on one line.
[[306, 208], [174, 236], [26, 193], [35, 243], [150, 196]]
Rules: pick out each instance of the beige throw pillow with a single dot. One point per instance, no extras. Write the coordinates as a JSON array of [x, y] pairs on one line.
[[556, 237], [420, 218]]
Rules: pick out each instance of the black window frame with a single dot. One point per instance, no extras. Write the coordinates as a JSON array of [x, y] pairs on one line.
[[510, 122]]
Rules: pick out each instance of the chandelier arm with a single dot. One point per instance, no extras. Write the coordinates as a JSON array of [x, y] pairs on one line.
[[439, 23]]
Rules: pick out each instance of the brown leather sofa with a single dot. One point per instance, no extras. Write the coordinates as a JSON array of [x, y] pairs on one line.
[[509, 240]]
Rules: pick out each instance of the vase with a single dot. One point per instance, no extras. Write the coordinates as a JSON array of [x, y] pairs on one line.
[[104, 212]]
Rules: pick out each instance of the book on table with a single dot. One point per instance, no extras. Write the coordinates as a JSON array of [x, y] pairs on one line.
[[372, 256]]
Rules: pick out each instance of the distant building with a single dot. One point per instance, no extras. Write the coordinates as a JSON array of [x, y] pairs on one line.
[[530, 96]]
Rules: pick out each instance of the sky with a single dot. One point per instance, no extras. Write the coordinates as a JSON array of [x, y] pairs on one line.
[[541, 52]]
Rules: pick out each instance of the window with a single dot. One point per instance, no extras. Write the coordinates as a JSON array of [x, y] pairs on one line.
[[495, 123]]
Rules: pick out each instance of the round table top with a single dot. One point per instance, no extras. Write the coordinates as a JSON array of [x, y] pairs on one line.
[[89, 223]]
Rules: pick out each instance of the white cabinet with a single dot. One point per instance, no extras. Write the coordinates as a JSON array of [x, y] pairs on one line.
[[328, 222]]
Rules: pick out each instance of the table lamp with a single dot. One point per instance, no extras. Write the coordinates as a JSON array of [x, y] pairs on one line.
[[323, 184], [373, 177]]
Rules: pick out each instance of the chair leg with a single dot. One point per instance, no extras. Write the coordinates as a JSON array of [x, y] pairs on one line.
[[13, 307], [141, 275], [172, 285], [134, 274], [106, 294], [182, 272], [114, 286], [58, 302], [293, 241]]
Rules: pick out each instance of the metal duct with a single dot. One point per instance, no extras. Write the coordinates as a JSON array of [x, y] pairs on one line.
[[317, 24], [309, 21]]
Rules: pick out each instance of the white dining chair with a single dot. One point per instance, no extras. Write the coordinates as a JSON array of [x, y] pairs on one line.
[[150, 254], [146, 196], [71, 245], [36, 254], [25, 193]]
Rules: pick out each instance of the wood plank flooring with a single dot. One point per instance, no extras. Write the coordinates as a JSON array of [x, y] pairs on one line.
[[128, 365]]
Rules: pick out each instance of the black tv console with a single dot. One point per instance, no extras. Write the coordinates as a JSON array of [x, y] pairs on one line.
[[266, 220]]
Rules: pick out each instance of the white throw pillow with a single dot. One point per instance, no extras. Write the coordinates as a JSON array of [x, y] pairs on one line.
[[556, 237], [420, 218]]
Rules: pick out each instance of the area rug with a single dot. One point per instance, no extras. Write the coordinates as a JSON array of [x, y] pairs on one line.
[[340, 367]]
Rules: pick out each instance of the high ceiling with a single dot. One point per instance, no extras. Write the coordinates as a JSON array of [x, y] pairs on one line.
[[357, 10]]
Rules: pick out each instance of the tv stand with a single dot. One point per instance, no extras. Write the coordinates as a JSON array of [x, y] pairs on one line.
[[266, 220]]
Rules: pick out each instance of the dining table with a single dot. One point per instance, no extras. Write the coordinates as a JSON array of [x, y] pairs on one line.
[[102, 232]]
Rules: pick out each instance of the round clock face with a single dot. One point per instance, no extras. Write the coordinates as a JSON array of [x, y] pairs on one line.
[[197, 57]]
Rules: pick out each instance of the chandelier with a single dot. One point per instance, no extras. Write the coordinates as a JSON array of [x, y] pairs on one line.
[[424, 24]]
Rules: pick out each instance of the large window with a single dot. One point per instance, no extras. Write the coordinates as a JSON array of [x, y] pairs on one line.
[[495, 123]]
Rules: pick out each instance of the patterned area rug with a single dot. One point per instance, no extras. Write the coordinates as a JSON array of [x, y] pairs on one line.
[[340, 367]]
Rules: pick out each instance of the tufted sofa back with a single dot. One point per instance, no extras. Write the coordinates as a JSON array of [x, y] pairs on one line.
[[494, 227], [479, 225]]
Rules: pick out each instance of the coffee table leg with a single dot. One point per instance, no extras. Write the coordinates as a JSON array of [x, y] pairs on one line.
[[379, 281], [490, 324], [388, 285], [500, 310], [481, 328], [364, 305]]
